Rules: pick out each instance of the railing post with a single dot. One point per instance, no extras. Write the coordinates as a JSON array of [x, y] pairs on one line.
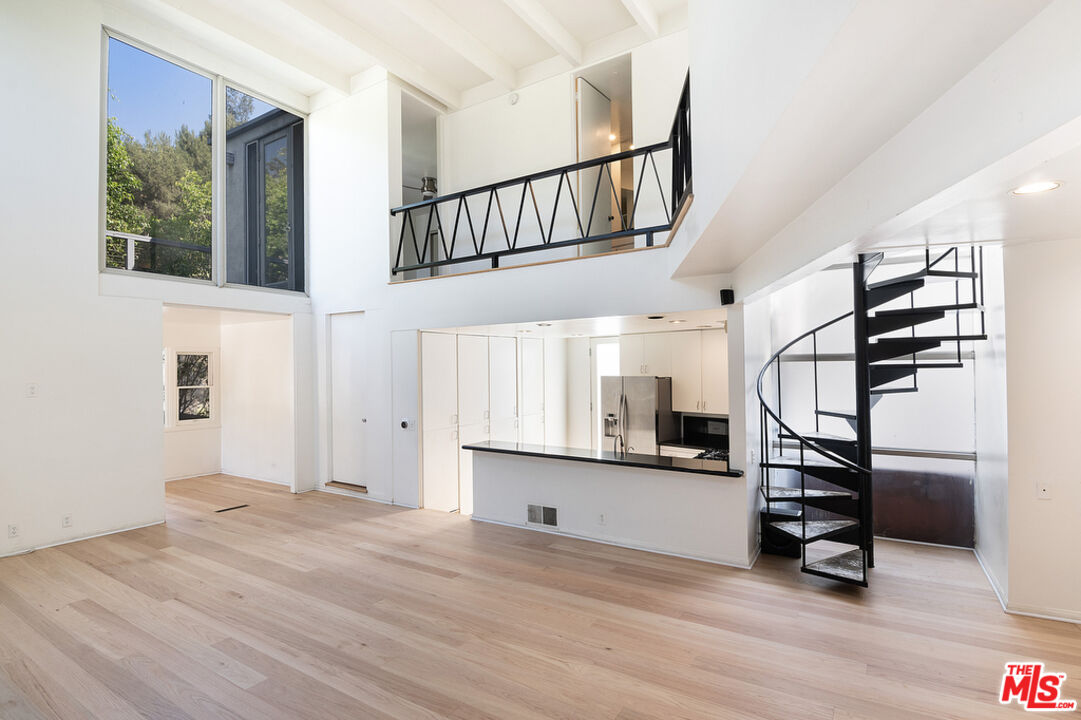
[[863, 409], [131, 253]]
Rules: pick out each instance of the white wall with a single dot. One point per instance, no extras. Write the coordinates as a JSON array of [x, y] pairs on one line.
[[257, 430], [992, 467], [90, 443], [192, 450], [1042, 393]]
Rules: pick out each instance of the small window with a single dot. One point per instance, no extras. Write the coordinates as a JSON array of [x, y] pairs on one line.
[[193, 383]]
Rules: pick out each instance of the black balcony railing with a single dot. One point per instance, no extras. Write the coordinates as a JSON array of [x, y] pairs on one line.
[[491, 222]]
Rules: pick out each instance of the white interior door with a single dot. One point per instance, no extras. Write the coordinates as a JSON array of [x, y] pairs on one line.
[[594, 128], [348, 421]]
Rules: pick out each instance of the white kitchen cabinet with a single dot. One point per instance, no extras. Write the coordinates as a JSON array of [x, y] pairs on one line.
[[714, 372], [676, 451], [532, 427], [657, 354], [472, 380], [503, 378], [468, 434], [532, 376], [504, 429], [439, 380], [648, 354], [631, 349], [687, 371], [440, 456]]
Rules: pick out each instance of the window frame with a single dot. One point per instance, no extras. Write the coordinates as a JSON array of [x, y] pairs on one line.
[[173, 388], [217, 172]]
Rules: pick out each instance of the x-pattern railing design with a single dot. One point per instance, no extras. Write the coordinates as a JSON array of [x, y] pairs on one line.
[[512, 237]]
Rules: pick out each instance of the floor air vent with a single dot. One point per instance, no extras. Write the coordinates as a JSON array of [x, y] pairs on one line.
[[541, 515], [235, 507]]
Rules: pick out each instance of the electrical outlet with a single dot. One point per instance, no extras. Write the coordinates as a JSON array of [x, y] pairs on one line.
[[65, 521], [13, 531], [1043, 489], [32, 390], [602, 519]]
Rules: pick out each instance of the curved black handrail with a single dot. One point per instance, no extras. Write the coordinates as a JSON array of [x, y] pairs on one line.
[[815, 447]]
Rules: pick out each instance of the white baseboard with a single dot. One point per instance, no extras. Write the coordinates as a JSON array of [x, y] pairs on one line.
[[192, 477], [245, 476], [560, 533], [1000, 593], [1065, 616], [353, 494], [27, 551]]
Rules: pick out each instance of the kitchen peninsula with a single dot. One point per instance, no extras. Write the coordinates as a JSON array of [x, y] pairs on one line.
[[690, 507]]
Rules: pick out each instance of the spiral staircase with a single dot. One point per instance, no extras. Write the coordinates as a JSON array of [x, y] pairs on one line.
[[817, 486]]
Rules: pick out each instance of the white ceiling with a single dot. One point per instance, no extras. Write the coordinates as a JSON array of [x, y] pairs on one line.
[[603, 326], [885, 65], [984, 210], [455, 51]]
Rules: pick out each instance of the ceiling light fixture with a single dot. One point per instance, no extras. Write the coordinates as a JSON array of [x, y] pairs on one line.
[[611, 137], [632, 146], [544, 324], [655, 317], [677, 322], [1036, 187]]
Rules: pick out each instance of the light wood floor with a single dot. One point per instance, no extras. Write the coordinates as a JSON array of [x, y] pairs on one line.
[[320, 606]]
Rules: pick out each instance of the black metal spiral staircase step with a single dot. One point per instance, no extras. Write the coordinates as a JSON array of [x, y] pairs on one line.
[[815, 529], [922, 274], [847, 567], [788, 494]]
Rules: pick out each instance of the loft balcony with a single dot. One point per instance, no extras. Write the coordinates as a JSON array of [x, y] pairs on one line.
[[614, 203]]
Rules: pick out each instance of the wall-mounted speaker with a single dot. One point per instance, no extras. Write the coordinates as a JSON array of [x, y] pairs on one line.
[[727, 296]]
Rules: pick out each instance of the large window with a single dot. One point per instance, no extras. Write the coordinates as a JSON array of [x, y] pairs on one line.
[[163, 166]]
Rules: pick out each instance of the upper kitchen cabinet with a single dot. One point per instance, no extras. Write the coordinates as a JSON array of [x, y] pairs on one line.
[[714, 372], [473, 385], [630, 355], [687, 371], [649, 354], [439, 380]]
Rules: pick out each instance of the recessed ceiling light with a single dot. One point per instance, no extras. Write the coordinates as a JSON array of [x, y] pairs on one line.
[[577, 334], [525, 331], [1036, 187], [544, 324], [677, 322], [655, 317]]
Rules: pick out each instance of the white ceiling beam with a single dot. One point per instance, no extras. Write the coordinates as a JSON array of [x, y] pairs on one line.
[[380, 51], [551, 30], [195, 13], [451, 33], [644, 14]]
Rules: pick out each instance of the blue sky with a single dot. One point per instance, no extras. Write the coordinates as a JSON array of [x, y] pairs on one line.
[[147, 93]]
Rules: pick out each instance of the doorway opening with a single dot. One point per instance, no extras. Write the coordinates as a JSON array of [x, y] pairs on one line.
[[228, 394], [605, 126]]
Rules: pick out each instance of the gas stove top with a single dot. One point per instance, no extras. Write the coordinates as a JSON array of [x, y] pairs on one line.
[[712, 455]]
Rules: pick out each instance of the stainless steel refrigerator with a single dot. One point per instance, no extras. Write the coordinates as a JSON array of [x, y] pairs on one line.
[[636, 414]]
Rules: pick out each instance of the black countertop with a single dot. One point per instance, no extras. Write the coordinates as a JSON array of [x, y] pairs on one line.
[[607, 457]]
